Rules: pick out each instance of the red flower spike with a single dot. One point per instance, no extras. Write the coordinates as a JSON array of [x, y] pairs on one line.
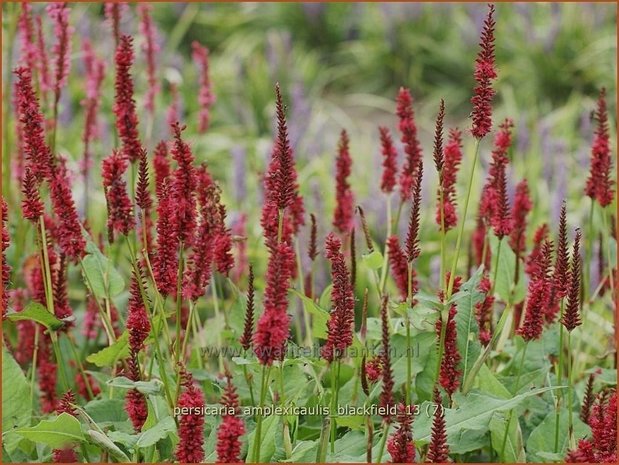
[[46, 373], [120, 213], [138, 324], [438, 450], [400, 445], [412, 147], [312, 250], [373, 369], [165, 266], [501, 220], [599, 183], [142, 191], [6, 268], [386, 395], [161, 164], [137, 408], [438, 154], [62, 309], [32, 207], [231, 428], [36, 151], [449, 376], [412, 236], [59, 14], [571, 316], [452, 159], [541, 233], [341, 321], [206, 98], [485, 73], [344, 199], [538, 296], [66, 454], [483, 311], [521, 208], [398, 262], [481, 250], [390, 161], [124, 103], [43, 65], [113, 13], [184, 184], [273, 328], [191, 426], [588, 399], [68, 227], [248, 327], [28, 51], [150, 48], [561, 275]]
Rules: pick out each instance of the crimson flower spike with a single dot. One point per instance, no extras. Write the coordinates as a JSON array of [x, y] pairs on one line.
[[231, 428], [400, 445], [538, 296], [248, 328], [190, 427], [165, 266], [36, 151], [120, 213], [65, 405], [501, 220], [150, 48], [599, 183], [340, 326], [452, 159], [6, 269], [412, 236], [184, 183], [59, 13], [561, 275], [386, 396], [439, 156], [438, 450], [571, 316], [344, 210], [113, 13], [205, 95], [521, 208], [44, 77], [485, 72], [412, 147], [161, 165], [284, 188], [390, 161], [32, 207], [124, 103], [366, 230], [398, 263], [312, 250]]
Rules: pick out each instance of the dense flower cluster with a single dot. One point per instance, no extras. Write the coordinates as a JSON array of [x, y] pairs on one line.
[[571, 316], [59, 14], [231, 428], [520, 209], [390, 160], [452, 158], [412, 147], [485, 73], [400, 445], [449, 376], [66, 454], [191, 426], [119, 209], [483, 310], [150, 48], [438, 450], [344, 211], [599, 183], [340, 325]]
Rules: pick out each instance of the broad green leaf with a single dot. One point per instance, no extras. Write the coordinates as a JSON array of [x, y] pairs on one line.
[[107, 411], [271, 426], [320, 316], [152, 387], [16, 407], [101, 276], [514, 444], [39, 314], [473, 413], [157, 432], [106, 443], [373, 260], [110, 355], [354, 422], [57, 433], [325, 298], [505, 267], [542, 438]]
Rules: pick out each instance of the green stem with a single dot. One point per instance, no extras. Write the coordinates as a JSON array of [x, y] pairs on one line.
[[559, 381], [383, 441], [385, 267], [250, 385], [588, 250], [467, 198], [335, 378], [570, 389], [258, 437], [409, 355]]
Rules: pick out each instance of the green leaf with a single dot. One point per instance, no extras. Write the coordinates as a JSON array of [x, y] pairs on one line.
[[57, 433], [505, 271], [320, 316], [354, 422], [157, 432], [471, 417], [110, 355], [152, 387], [466, 323], [101, 276], [514, 444], [542, 438], [373, 260], [16, 406], [39, 314], [270, 429], [107, 411], [106, 443]]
